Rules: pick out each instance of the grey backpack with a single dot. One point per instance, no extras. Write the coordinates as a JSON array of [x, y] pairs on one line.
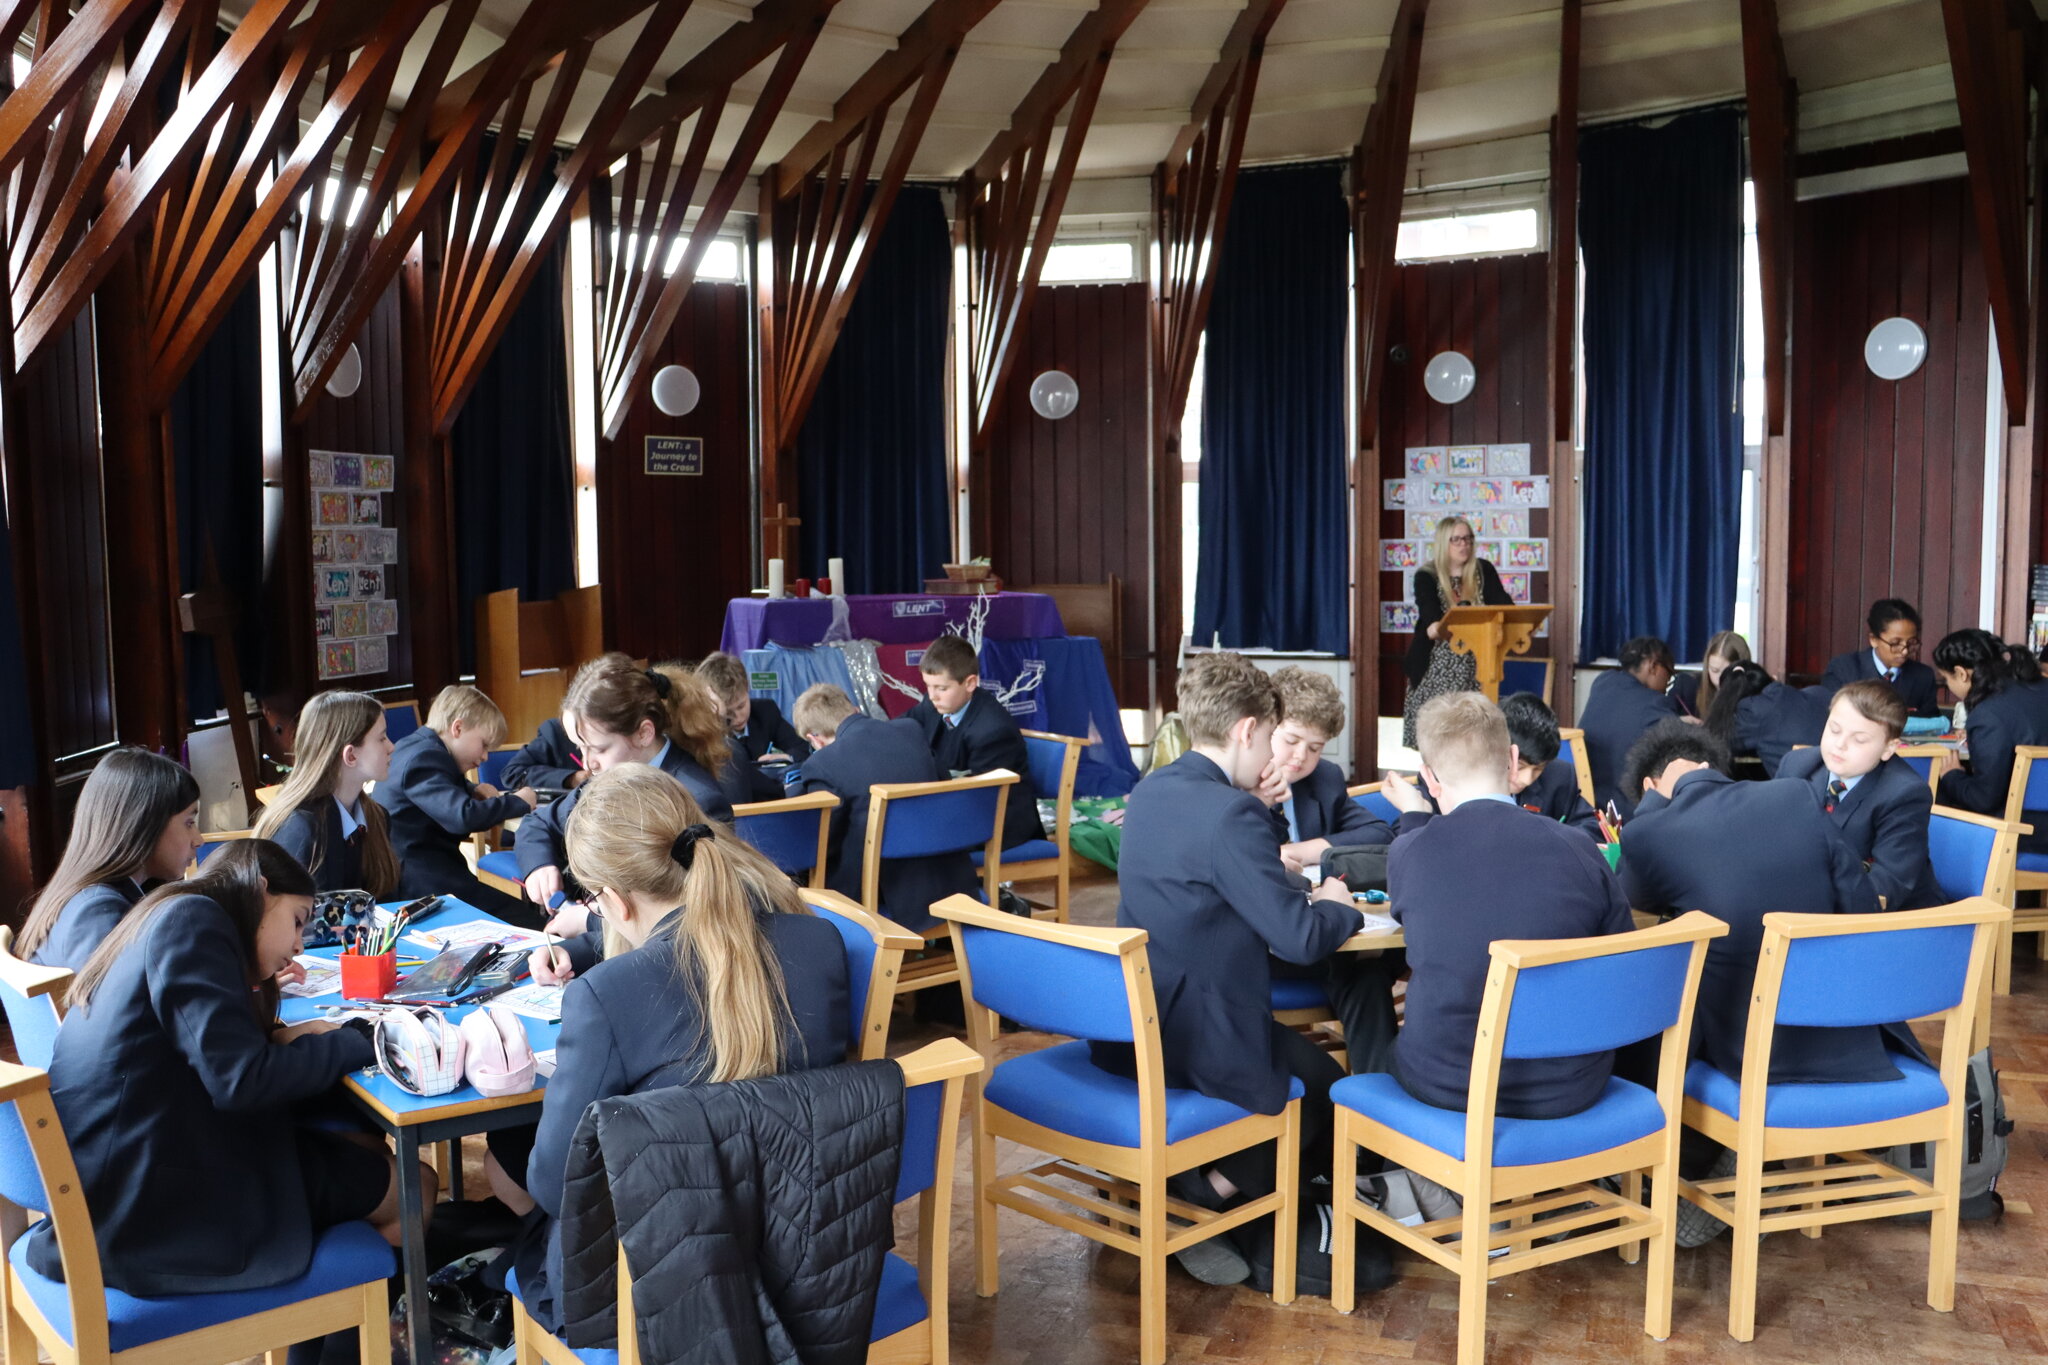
[[1985, 1130]]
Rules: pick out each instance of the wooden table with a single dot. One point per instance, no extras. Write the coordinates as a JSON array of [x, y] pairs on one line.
[[415, 1121]]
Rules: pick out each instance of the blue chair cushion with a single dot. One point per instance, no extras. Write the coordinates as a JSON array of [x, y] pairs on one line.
[[504, 863], [1030, 851], [344, 1257], [2033, 862], [900, 1303], [1624, 1112], [1825, 1105], [1061, 1089], [1295, 993]]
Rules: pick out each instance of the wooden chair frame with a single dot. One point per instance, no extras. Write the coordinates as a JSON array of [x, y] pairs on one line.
[[1538, 1201], [1933, 753], [36, 982], [1582, 766], [1549, 667], [823, 802], [892, 941], [408, 705], [2034, 918], [364, 1307], [492, 839], [949, 1062], [1124, 1205], [219, 836], [1755, 1201], [935, 968], [1058, 869]]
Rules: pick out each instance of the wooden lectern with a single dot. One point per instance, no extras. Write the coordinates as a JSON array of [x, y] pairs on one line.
[[1490, 634], [527, 651]]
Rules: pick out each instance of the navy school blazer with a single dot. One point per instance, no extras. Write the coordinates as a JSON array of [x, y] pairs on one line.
[[313, 835], [433, 808], [1777, 720], [1996, 726], [865, 752], [1883, 819], [1201, 874], [1915, 684], [1618, 710], [548, 760], [1555, 795], [85, 920], [541, 840], [987, 737], [1738, 850], [1445, 875], [178, 1107], [1323, 809], [767, 728], [631, 1024]]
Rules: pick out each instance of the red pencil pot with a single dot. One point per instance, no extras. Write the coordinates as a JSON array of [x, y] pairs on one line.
[[365, 977]]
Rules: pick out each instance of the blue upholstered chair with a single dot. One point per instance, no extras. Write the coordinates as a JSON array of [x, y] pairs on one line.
[[1526, 675], [920, 819], [910, 1308], [77, 1319], [1571, 751], [2029, 791], [1374, 800], [1534, 1178], [33, 996], [492, 769], [501, 870], [1839, 971], [1055, 759], [1922, 759], [874, 956], [795, 834], [1112, 1141], [401, 718]]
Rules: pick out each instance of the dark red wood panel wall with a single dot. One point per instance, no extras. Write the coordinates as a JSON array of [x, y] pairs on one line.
[[1495, 310], [1887, 478], [1070, 501], [673, 549], [59, 427]]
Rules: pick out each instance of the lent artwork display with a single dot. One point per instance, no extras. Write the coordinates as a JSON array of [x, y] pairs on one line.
[[1489, 486], [355, 558]]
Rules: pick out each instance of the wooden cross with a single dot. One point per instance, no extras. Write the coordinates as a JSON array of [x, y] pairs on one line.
[[211, 612], [778, 526]]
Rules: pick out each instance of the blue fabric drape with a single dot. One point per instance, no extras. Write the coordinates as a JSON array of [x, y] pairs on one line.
[[1660, 223], [515, 525], [1272, 568], [872, 453], [216, 435]]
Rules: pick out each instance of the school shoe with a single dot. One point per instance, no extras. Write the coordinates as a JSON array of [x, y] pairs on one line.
[[1010, 903], [1697, 1227]]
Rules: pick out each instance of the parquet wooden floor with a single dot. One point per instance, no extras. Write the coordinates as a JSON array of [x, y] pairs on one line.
[[1856, 1296]]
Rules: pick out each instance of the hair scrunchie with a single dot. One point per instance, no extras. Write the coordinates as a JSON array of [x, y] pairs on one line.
[[661, 683], [684, 849]]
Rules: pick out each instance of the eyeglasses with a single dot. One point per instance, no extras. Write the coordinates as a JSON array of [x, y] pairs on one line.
[[1461, 540], [1909, 645]]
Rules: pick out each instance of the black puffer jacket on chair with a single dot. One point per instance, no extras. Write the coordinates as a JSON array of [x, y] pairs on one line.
[[754, 1215]]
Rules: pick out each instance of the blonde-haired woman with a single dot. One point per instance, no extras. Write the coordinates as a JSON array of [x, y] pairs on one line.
[[1694, 692], [321, 816], [1454, 577], [714, 970]]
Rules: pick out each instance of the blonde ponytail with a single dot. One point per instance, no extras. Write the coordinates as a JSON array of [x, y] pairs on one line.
[[637, 831], [618, 694]]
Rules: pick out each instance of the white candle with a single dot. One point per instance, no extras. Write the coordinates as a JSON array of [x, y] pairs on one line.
[[838, 577], [774, 578]]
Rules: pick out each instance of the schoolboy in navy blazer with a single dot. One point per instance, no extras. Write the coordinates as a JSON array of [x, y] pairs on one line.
[[1623, 704], [859, 752], [1555, 796], [318, 826], [1778, 720], [1883, 818], [85, 920], [1323, 809], [973, 733], [433, 808], [549, 760], [541, 842], [631, 1024], [1702, 841], [766, 729], [1888, 657], [177, 1104]]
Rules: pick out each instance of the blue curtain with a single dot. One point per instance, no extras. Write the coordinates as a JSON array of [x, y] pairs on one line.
[[515, 479], [1274, 539], [1660, 223], [216, 435], [871, 457]]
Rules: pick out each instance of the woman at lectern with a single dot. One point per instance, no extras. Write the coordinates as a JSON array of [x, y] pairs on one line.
[[1454, 577]]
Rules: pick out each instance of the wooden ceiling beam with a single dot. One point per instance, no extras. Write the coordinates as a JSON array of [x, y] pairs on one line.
[[1379, 165], [1773, 152], [943, 25], [732, 54], [583, 22], [242, 57], [1246, 42], [62, 67], [1562, 358], [1989, 48], [1091, 42]]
